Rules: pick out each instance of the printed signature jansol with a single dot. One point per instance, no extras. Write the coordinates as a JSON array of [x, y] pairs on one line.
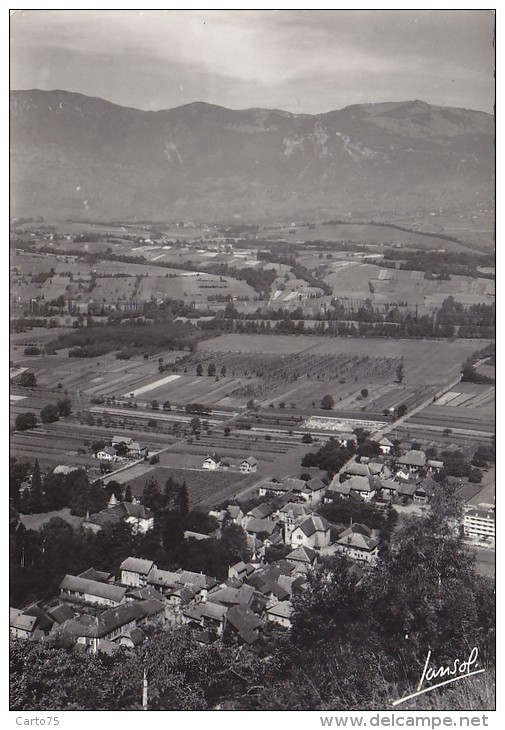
[[456, 670]]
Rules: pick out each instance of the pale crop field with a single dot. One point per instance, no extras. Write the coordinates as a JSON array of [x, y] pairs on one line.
[[153, 386]]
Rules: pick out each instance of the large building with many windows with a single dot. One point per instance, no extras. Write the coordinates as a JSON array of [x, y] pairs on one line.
[[479, 523]]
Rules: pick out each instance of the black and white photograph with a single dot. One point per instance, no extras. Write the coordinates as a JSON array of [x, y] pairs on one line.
[[252, 365]]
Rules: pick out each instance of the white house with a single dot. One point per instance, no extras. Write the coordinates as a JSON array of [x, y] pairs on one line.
[[140, 518], [136, 450], [357, 543], [212, 462], [385, 445], [107, 454], [21, 625], [249, 465], [134, 572]]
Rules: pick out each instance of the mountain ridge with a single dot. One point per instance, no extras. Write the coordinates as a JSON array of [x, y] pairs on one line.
[[246, 109], [77, 155]]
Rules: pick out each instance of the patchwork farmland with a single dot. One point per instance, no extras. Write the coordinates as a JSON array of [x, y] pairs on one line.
[[353, 280], [468, 406]]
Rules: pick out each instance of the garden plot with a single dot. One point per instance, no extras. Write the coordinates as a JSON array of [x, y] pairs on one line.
[[202, 484], [341, 425], [473, 408]]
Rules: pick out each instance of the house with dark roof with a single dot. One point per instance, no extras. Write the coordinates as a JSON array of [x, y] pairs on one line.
[[425, 489], [105, 518], [280, 613], [205, 615], [212, 462], [242, 620], [364, 487], [144, 594], [261, 512], [346, 439], [292, 511], [117, 440], [132, 638], [312, 532], [241, 570], [406, 489], [73, 588], [410, 463], [267, 581], [199, 582], [100, 575], [385, 445], [21, 626], [153, 612], [355, 469], [312, 490], [389, 488], [249, 465], [228, 596], [273, 488], [93, 631], [258, 530], [232, 513], [108, 453], [60, 613], [139, 518], [176, 600], [134, 572], [136, 450], [434, 466], [163, 580], [303, 558], [358, 543]]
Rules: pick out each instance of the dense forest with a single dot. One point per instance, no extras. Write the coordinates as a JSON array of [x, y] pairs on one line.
[[130, 338]]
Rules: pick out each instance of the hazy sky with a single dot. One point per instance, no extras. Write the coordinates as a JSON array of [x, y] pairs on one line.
[[297, 60]]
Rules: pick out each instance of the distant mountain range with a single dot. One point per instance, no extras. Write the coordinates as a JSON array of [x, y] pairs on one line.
[[74, 156]]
